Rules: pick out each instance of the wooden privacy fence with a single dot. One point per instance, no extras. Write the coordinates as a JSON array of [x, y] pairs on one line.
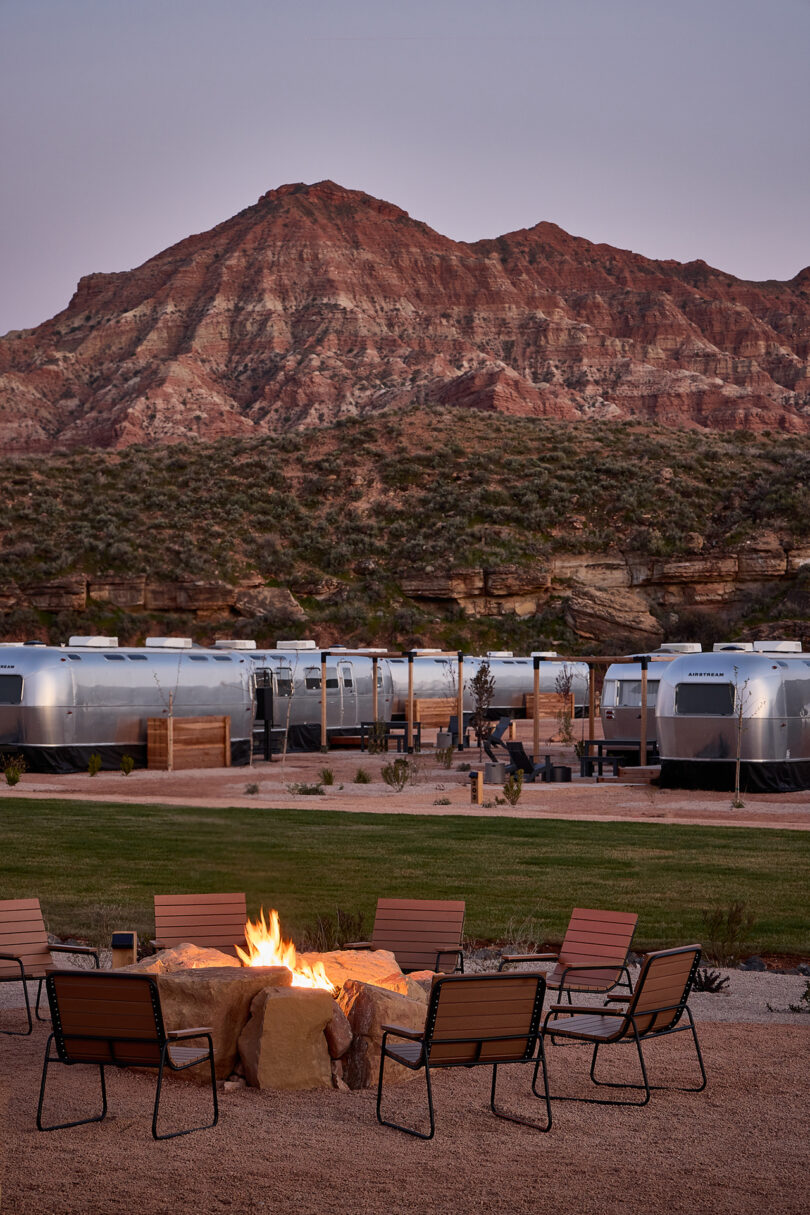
[[173, 743], [435, 711], [549, 704]]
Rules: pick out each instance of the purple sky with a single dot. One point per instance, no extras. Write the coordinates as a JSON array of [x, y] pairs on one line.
[[674, 129]]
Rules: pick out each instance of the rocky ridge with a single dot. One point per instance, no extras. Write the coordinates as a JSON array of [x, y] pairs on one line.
[[319, 303]]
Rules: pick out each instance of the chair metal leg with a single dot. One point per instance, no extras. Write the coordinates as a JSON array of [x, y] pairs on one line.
[[22, 1033], [61, 1126], [502, 1113], [203, 1126], [666, 1088], [396, 1125], [39, 997]]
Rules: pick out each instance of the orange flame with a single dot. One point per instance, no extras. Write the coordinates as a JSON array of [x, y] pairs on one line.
[[266, 948]]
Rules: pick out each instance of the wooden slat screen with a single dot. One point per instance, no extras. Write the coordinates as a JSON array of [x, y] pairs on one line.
[[22, 933], [213, 921], [435, 710], [415, 929], [175, 743], [549, 704]]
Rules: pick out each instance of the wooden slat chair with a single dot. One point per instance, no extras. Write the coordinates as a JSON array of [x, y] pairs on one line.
[[593, 955], [422, 934], [473, 1020], [655, 1009], [25, 953], [115, 1020], [212, 921]]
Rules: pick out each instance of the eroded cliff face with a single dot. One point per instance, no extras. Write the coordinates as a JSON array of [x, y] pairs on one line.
[[319, 303]]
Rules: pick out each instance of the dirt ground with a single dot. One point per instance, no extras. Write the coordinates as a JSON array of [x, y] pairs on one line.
[[631, 798], [741, 1146]]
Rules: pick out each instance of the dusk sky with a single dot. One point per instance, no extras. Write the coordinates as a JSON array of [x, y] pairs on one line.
[[676, 130]]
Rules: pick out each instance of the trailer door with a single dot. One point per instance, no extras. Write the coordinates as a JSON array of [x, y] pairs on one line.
[[348, 694]]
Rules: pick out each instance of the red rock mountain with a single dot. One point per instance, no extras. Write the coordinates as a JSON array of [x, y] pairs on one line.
[[321, 302]]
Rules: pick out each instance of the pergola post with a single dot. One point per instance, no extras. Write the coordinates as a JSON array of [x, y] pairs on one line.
[[642, 741], [324, 734], [374, 706], [591, 700], [460, 700], [409, 707], [536, 709]]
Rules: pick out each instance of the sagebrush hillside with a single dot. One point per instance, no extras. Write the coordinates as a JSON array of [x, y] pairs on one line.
[[423, 526]]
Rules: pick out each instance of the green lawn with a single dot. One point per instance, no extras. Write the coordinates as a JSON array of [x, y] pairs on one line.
[[96, 866]]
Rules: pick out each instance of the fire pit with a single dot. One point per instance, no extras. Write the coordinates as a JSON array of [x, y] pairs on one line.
[[289, 1020]]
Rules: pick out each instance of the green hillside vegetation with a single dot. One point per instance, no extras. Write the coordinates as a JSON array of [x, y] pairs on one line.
[[368, 499]]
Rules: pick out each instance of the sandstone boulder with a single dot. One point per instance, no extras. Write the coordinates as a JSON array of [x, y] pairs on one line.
[[263, 600], [283, 1044], [122, 592], [368, 1008], [366, 965], [416, 986], [338, 1033], [610, 615], [221, 998], [67, 594], [184, 957]]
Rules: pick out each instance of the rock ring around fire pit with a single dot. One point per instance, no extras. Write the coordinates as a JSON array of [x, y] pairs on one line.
[[285, 1037]]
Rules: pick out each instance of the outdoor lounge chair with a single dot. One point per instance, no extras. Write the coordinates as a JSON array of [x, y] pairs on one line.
[[212, 921], [654, 1010], [25, 953], [472, 1020], [495, 739], [115, 1020], [520, 761], [593, 955], [422, 934]]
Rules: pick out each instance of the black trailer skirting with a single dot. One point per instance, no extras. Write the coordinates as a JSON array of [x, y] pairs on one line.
[[76, 759], [786, 776]]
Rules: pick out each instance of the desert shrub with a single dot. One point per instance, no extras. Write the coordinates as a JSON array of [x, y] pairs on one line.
[[377, 738], [513, 787], [362, 777], [397, 774], [127, 764], [94, 764], [251, 788], [307, 790], [327, 776], [710, 981], [13, 768], [726, 931], [444, 756]]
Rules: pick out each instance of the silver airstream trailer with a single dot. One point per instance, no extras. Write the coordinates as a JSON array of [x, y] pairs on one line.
[[620, 705], [59, 704], [709, 704], [292, 675]]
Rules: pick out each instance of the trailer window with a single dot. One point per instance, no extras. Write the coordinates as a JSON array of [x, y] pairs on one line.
[[312, 679], [704, 699], [628, 693], [331, 677], [10, 689], [284, 681]]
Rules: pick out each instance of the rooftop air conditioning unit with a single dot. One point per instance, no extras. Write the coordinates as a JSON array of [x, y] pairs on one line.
[[296, 645], [778, 647], [238, 643], [743, 647], [169, 643], [500, 654], [544, 654], [681, 647], [101, 643]]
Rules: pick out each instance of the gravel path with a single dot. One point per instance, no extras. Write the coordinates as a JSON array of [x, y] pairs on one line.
[[739, 1148]]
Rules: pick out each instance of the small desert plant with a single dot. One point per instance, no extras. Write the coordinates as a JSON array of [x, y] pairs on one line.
[[482, 689], [252, 787], [710, 981], [444, 757], [327, 776], [330, 932], [441, 801], [13, 768], [94, 764], [513, 787], [397, 774], [562, 686], [127, 764], [301, 787], [465, 767], [804, 1002], [726, 930], [362, 777], [378, 738], [523, 936]]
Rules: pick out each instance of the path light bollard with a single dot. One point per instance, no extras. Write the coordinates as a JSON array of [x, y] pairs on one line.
[[477, 788], [124, 949]]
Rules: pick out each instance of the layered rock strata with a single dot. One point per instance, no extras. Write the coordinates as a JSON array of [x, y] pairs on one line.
[[319, 303]]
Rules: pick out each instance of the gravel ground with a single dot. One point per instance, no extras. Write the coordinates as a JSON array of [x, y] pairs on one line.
[[739, 1147]]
